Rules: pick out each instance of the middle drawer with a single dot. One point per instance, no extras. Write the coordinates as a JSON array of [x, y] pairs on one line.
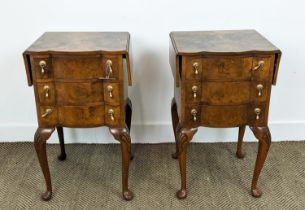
[[78, 93], [72, 67], [225, 93]]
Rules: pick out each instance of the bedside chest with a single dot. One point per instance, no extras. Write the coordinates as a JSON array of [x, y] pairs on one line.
[[80, 81], [222, 79]]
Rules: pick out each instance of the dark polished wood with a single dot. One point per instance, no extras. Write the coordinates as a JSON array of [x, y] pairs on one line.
[[175, 123], [81, 80], [60, 133], [128, 112], [222, 79], [239, 151]]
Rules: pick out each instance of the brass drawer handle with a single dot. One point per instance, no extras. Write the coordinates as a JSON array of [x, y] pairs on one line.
[[195, 68], [257, 112], [259, 87], [43, 65], [195, 89], [46, 89], [111, 114], [109, 69], [260, 66], [194, 113], [47, 113], [110, 89]]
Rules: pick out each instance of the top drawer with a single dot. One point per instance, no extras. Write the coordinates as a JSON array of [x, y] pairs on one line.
[[77, 67], [226, 68]]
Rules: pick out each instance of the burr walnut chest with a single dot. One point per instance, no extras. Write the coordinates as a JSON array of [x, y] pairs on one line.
[[80, 80], [222, 79]]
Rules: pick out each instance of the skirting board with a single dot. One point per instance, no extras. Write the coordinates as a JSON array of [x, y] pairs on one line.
[[152, 133]]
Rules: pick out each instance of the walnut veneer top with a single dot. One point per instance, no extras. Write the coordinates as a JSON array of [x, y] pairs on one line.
[[229, 41], [81, 42]]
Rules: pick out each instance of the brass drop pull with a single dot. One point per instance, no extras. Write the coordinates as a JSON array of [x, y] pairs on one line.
[[259, 66], [43, 65], [195, 68], [257, 112], [194, 89], [47, 113], [194, 113], [111, 114], [259, 87], [109, 68], [109, 89], [46, 89]]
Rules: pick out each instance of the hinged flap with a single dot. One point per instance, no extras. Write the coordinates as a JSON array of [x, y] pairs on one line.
[[276, 66], [129, 67], [28, 70], [129, 62], [174, 62]]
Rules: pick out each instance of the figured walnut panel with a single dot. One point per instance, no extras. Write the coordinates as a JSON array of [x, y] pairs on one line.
[[227, 68], [226, 93], [81, 116], [224, 116], [77, 67], [76, 93]]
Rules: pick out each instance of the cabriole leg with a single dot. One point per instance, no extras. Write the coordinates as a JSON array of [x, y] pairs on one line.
[[184, 136], [264, 137], [122, 135], [41, 136]]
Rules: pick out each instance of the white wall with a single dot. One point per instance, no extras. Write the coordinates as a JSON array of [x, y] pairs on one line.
[[149, 23]]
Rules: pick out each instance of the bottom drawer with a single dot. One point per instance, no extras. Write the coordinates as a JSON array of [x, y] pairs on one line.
[[81, 116], [224, 116]]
